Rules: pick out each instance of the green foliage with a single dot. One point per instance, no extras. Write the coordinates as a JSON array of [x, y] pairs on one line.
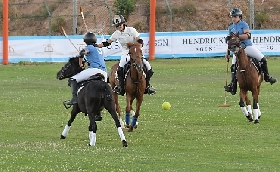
[[194, 135], [261, 17], [138, 26], [57, 25], [124, 7]]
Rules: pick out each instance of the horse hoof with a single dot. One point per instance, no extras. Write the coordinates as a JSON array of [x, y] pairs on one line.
[[130, 129], [62, 137], [250, 118], [124, 143], [256, 121]]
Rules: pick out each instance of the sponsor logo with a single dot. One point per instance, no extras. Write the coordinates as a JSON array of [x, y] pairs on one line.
[[48, 50]]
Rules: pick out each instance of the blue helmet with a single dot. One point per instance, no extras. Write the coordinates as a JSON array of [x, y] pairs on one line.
[[235, 12]]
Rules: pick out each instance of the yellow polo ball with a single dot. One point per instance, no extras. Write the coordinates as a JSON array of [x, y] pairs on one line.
[[166, 106]]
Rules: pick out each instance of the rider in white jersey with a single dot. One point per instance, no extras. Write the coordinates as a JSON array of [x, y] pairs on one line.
[[96, 62], [125, 35], [240, 27]]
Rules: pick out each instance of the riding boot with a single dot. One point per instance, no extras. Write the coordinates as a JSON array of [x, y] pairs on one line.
[[148, 89], [120, 89], [232, 87], [267, 78], [74, 100]]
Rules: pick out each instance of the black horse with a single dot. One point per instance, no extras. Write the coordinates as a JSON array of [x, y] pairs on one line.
[[93, 96]]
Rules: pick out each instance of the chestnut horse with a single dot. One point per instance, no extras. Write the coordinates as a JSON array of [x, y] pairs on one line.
[[135, 84], [249, 78]]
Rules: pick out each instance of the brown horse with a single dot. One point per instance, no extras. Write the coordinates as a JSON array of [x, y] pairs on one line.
[[249, 78], [135, 84]]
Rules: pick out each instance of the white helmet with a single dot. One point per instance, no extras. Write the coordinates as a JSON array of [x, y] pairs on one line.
[[118, 20]]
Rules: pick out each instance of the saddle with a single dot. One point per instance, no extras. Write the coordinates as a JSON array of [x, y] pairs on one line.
[[127, 69], [97, 76], [256, 64]]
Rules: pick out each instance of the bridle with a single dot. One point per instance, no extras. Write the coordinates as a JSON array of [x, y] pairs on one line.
[[138, 66]]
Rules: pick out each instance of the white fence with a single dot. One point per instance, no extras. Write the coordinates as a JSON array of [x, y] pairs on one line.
[[167, 45]]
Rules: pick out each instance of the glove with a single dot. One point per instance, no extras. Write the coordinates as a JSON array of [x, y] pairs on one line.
[[82, 53], [105, 44], [140, 41]]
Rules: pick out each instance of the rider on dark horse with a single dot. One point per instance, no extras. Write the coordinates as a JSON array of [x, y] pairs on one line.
[[96, 62], [125, 35], [241, 28]]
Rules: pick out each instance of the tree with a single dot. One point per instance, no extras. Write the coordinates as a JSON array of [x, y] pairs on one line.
[[124, 7]]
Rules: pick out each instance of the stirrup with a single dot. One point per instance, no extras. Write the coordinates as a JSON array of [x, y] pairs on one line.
[[271, 80], [230, 88], [150, 90], [98, 117], [118, 91], [227, 88], [71, 102]]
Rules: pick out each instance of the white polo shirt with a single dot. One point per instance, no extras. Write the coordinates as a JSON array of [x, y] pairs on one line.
[[128, 35]]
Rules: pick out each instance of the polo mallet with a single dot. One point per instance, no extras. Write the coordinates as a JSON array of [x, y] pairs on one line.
[[82, 14], [64, 33], [225, 103]]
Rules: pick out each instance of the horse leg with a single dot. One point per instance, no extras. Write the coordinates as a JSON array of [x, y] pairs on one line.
[[248, 103], [255, 106], [74, 113], [110, 106], [118, 108], [92, 128], [259, 89], [128, 108], [139, 101], [242, 105]]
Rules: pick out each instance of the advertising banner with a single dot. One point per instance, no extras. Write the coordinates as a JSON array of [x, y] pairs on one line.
[[191, 44]]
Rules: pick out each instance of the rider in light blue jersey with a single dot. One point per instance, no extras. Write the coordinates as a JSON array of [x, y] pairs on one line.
[[96, 61], [241, 28]]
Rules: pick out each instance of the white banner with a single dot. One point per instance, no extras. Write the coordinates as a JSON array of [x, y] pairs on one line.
[[167, 45]]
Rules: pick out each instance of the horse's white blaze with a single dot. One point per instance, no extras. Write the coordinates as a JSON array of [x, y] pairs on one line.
[[120, 131], [92, 138], [66, 130]]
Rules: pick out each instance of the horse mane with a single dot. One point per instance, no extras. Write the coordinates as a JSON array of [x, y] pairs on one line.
[[131, 44], [73, 59]]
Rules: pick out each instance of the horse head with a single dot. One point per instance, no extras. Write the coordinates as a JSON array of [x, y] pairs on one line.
[[70, 69], [136, 56], [234, 43]]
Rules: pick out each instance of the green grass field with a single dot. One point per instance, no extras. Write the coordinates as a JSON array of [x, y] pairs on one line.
[[194, 135]]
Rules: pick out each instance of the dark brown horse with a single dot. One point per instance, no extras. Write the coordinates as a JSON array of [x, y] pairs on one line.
[[93, 96], [135, 84], [249, 78]]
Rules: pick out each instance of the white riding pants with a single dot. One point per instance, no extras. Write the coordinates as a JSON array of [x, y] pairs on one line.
[[252, 52], [85, 74], [126, 58]]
